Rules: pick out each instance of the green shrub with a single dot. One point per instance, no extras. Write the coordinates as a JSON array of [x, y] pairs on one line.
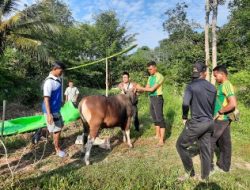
[[241, 81]]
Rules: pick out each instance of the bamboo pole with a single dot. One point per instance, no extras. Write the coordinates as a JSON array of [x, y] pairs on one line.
[[103, 59], [107, 80]]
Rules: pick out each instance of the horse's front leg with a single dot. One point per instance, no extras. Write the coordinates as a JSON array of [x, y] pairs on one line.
[[124, 136], [127, 132]]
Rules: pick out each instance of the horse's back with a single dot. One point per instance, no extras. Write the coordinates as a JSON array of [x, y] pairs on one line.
[[93, 108]]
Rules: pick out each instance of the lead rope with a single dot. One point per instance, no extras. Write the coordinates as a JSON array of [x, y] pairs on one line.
[[7, 160]]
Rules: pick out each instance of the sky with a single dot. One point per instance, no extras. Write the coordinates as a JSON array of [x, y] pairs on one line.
[[144, 17]]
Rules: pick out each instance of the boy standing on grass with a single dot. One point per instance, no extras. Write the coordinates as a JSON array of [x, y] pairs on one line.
[[52, 90], [71, 93], [225, 103], [154, 87], [199, 97]]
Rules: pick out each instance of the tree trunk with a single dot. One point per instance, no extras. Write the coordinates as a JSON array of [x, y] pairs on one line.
[[214, 37], [207, 54]]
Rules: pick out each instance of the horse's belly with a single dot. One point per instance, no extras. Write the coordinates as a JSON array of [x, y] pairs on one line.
[[112, 122]]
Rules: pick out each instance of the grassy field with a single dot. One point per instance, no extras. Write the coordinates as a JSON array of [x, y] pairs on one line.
[[143, 167]]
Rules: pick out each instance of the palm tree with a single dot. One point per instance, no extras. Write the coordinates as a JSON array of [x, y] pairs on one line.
[[211, 6], [23, 29], [214, 36]]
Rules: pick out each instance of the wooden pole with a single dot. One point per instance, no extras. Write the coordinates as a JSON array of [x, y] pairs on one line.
[[62, 89], [3, 117], [107, 80]]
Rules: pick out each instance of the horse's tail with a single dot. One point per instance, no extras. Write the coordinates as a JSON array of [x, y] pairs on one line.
[[85, 124]]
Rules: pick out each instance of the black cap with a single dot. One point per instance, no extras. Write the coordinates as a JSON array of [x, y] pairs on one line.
[[59, 65], [198, 68]]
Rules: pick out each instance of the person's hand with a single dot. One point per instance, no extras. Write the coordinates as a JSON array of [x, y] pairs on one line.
[[50, 119], [134, 89], [217, 115], [184, 121], [138, 87]]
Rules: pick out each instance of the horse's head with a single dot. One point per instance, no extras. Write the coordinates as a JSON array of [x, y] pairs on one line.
[[132, 96]]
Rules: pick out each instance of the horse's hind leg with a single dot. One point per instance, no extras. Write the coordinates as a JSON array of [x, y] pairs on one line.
[[85, 117], [85, 135], [88, 149], [94, 128], [84, 141]]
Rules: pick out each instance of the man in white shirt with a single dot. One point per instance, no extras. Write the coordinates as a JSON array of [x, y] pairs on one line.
[[71, 93], [52, 89]]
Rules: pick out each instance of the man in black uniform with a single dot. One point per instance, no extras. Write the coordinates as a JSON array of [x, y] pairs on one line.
[[200, 98]]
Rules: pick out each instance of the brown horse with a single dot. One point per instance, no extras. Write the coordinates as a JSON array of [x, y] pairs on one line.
[[105, 112]]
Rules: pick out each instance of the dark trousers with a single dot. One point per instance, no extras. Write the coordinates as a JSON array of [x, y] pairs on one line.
[[199, 132], [135, 116], [156, 110], [222, 138]]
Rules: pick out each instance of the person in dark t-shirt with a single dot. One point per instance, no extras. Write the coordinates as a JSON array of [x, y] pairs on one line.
[[200, 99]]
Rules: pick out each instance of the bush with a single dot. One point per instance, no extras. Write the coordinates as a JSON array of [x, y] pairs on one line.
[[241, 81]]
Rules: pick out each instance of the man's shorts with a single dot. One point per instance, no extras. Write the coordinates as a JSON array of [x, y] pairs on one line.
[[57, 125], [156, 110]]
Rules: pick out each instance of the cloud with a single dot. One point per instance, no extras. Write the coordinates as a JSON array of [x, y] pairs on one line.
[[21, 3], [144, 17]]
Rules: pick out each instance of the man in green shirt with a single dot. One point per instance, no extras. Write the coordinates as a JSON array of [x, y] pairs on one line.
[[225, 103], [154, 87]]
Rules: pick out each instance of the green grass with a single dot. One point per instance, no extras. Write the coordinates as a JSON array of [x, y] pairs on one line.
[[144, 166]]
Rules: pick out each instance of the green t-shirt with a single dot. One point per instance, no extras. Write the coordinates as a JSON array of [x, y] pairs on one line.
[[225, 90], [157, 78]]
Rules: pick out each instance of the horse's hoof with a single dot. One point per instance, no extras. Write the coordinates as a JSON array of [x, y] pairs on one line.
[[87, 163], [130, 146], [108, 147]]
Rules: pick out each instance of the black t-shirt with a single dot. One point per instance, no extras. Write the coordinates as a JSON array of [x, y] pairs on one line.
[[200, 97]]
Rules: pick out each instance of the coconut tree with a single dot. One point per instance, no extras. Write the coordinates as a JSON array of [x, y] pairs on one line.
[[214, 36], [23, 29], [207, 53], [211, 6]]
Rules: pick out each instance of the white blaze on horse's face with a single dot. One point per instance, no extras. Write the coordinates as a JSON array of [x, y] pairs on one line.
[[85, 111]]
